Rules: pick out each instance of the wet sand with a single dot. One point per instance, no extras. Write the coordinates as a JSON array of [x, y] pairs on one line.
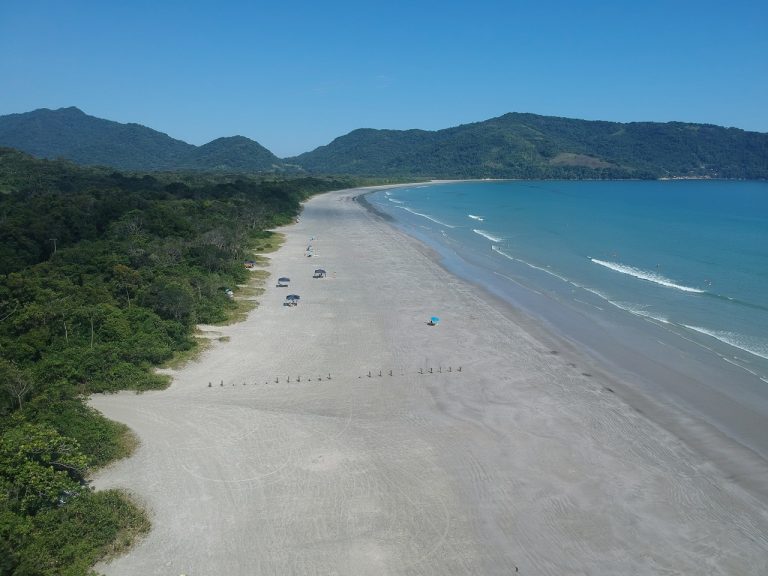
[[380, 456]]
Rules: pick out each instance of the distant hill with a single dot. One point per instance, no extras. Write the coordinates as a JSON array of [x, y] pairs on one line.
[[531, 146], [233, 154], [511, 146], [71, 134]]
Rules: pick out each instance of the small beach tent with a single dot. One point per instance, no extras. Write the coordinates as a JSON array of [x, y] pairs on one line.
[[292, 300], [434, 321]]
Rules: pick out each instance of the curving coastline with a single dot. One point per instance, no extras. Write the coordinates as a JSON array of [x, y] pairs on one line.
[[524, 459]]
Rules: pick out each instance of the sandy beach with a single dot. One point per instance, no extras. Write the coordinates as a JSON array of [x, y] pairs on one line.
[[346, 436]]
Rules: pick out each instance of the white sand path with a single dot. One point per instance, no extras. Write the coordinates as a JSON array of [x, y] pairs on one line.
[[522, 459]]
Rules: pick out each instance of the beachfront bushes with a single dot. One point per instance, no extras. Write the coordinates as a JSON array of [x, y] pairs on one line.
[[103, 276], [68, 540]]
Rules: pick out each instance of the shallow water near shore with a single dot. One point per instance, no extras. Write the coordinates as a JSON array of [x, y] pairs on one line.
[[665, 281]]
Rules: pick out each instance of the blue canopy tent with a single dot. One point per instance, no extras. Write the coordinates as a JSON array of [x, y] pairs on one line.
[[292, 299]]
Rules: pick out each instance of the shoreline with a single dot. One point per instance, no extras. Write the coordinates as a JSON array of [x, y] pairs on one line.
[[678, 410], [340, 436]]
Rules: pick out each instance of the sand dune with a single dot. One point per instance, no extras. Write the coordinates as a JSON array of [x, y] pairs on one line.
[[523, 458]]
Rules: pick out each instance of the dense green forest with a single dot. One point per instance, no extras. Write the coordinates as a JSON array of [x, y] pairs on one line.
[[510, 146], [529, 146], [70, 134], [102, 277]]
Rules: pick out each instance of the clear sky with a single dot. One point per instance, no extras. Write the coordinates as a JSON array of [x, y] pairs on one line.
[[294, 75]]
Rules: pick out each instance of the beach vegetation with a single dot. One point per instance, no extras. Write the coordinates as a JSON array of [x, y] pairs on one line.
[[103, 278]]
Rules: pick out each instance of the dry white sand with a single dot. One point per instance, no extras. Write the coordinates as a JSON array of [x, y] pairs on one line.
[[524, 458]]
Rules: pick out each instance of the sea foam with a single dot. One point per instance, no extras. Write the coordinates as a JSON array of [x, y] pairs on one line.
[[480, 218], [646, 275], [639, 310], [501, 252], [487, 235], [427, 216], [733, 339]]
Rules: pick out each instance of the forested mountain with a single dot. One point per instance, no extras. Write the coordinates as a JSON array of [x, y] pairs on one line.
[[73, 135], [532, 146], [233, 154], [510, 146], [70, 134]]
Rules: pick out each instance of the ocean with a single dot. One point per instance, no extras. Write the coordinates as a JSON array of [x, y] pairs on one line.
[[665, 280]]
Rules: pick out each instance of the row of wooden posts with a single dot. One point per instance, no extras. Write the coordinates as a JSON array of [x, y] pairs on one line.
[[370, 374]]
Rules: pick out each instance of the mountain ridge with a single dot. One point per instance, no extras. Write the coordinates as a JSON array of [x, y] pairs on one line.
[[524, 145], [71, 134], [514, 145]]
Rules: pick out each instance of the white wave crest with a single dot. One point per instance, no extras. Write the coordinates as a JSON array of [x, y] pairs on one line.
[[734, 339], [595, 292], [394, 200], [428, 217], [645, 275], [487, 235], [545, 270], [638, 310], [480, 218]]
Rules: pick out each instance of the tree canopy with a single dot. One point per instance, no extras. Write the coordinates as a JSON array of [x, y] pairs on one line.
[[102, 277], [529, 146]]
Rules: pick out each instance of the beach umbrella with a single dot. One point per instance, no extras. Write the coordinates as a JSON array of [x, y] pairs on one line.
[[319, 271], [293, 297], [283, 279], [434, 320]]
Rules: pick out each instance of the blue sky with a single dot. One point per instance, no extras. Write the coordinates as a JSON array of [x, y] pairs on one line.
[[296, 75]]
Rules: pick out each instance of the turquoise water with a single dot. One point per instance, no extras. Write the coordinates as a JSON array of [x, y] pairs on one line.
[[688, 259]]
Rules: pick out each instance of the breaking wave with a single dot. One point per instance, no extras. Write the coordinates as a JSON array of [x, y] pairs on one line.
[[640, 311], [734, 339], [487, 235], [427, 216], [646, 275], [545, 270]]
